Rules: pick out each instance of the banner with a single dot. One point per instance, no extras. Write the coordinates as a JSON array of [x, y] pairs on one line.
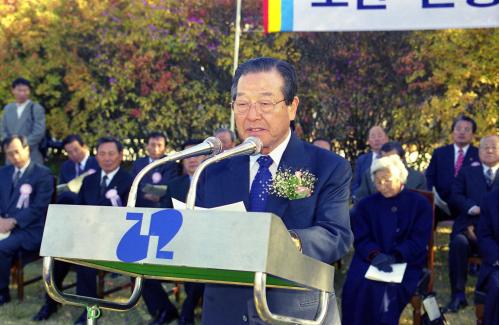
[[377, 15]]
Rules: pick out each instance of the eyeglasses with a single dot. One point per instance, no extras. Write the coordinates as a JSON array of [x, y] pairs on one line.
[[263, 106], [383, 181]]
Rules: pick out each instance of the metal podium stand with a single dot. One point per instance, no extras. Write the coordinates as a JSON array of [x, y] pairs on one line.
[[197, 246]]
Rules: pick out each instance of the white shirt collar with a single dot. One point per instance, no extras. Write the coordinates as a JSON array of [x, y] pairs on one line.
[[83, 163], [22, 170], [109, 175], [456, 149], [486, 168], [275, 154], [21, 107]]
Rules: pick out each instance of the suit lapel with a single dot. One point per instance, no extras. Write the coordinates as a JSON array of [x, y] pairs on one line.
[[481, 182], [23, 180], [24, 115], [294, 158], [451, 158], [239, 185]]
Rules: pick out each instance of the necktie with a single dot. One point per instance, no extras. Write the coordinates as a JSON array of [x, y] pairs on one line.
[[489, 177], [103, 185], [259, 192], [79, 170], [459, 161], [17, 176]]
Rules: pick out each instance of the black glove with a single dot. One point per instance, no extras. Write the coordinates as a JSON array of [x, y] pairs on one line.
[[383, 262]]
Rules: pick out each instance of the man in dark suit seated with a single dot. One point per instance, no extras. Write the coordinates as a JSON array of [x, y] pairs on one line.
[[264, 102], [446, 162], [25, 192], [415, 180], [157, 301], [156, 147], [109, 186], [488, 242], [79, 163], [377, 137], [468, 190]]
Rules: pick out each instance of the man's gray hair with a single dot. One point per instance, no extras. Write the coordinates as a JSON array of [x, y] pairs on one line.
[[493, 136], [222, 130], [392, 163]]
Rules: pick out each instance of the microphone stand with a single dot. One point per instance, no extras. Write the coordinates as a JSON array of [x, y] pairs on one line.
[[254, 147], [214, 147]]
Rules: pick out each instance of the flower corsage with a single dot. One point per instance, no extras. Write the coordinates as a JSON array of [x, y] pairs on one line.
[[293, 185]]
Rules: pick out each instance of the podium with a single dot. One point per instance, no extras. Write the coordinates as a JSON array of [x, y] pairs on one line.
[[209, 246]]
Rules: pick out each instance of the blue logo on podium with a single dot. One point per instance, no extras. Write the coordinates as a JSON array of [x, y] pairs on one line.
[[133, 246]]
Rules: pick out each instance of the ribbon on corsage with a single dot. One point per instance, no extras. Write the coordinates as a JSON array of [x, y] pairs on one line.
[[24, 192], [113, 196], [156, 177]]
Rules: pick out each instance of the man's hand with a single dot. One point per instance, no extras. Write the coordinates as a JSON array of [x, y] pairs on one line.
[[7, 224], [152, 197], [296, 240], [474, 210]]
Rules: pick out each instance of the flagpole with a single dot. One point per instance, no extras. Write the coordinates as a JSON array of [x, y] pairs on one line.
[[237, 36]]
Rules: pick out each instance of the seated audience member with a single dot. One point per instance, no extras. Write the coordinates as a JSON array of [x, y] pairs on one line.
[[377, 137], [156, 147], [391, 226], [79, 163], [446, 161], [322, 143], [25, 191], [156, 299], [468, 190], [109, 186], [227, 137], [488, 242], [415, 179]]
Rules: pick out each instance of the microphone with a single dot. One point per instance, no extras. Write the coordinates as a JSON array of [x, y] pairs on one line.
[[211, 145], [251, 146]]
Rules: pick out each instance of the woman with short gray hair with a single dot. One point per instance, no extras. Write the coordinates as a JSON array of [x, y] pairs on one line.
[[391, 226]]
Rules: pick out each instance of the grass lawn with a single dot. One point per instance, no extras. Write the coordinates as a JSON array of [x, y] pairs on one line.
[[21, 313]]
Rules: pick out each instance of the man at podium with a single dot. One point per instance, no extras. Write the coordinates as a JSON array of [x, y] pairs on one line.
[[316, 215]]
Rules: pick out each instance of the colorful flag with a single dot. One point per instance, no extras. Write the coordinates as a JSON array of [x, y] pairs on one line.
[[278, 15]]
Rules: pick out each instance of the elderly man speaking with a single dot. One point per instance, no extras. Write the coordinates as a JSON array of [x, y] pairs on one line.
[[264, 104]]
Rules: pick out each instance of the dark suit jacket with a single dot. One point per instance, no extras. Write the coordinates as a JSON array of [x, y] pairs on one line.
[[321, 221], [440, 172], [362, 164], [178, 189], [488, 235], [415, 180], [468, 189], [68, 169], [90, 189], [168, 172], [32, 218]]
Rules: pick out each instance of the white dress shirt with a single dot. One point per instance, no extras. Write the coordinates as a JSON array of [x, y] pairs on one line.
[[22, 170], [276, 156], [21, 107], [109, 176]]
